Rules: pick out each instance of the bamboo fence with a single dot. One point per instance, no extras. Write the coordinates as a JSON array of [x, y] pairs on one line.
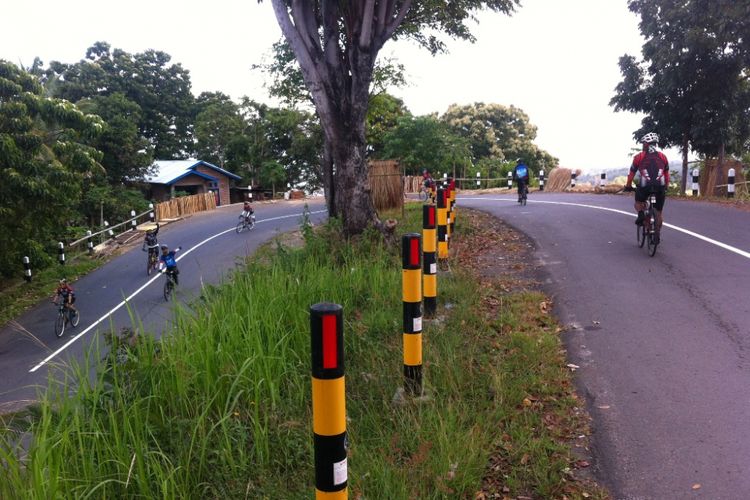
[[185, 205], [386, 184]]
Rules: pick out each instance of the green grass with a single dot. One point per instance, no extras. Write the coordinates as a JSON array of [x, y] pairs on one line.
[[221, 407]]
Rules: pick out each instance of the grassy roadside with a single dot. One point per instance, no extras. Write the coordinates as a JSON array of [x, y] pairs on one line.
[[220, 409]]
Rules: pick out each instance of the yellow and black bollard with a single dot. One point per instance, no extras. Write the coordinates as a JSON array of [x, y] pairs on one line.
[[429, 266], [411, 251], [442, 230], [452, 190], [328, 401]]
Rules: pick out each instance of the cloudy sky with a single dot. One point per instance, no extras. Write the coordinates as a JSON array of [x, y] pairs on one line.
[[556, 60]]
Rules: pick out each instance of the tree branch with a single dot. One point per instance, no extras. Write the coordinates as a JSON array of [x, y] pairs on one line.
[[396, 21], [365, 35]]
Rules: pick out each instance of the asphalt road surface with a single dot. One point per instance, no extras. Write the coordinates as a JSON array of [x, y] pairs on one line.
[[662, 342], [211, 248]]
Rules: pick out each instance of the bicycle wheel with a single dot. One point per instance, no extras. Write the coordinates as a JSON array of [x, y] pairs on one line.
[[652, 245], [240, 227], [423, 195], [150, 265], [641, 234], [251, 222], [168, 289], [74, 317], [60, 324], [523, 200]]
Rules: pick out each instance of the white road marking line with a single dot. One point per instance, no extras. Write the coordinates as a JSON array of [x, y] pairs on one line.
[[130, 297], [719, 244]]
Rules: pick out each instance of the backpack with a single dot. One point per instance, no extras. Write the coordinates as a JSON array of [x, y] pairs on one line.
[[521, 171], [652, 169]]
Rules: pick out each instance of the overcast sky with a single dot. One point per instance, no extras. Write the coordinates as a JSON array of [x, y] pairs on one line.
[[556, 60]]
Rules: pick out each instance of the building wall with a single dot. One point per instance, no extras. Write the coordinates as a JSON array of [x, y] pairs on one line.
[[224, 182]]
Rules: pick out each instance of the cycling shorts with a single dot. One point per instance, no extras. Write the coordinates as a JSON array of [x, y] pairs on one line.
[[642, 193]]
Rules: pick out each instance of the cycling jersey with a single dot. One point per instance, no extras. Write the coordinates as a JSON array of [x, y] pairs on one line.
[[653, 168], [169, 260]]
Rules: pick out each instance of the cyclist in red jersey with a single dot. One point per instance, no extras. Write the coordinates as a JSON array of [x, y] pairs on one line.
[[653, 167]]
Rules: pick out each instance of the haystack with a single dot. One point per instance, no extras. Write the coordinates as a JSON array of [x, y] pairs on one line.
[[386, 184], [709, 178], [559, 180]]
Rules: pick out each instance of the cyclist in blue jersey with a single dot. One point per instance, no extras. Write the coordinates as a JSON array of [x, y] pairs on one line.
[[167, 259], [521, 176]]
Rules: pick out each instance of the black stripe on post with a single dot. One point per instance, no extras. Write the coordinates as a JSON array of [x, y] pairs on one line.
[[27, 269], [61, 252], [330, 451]]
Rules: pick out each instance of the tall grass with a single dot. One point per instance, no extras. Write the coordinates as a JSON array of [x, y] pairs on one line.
[[220, 408]]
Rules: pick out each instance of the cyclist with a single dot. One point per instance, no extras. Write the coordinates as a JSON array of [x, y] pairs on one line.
[[521, 176], [247, 211], [151, 243], [167, 259], [653, 167], [65, 293]]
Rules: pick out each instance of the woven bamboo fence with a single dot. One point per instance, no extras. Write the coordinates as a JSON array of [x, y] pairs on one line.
[[386, 184], [709, 178], [412, 183], [185, 205], [559, 180]]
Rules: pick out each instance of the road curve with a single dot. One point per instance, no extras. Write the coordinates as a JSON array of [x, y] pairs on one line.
[[211, 248], [662, 343]]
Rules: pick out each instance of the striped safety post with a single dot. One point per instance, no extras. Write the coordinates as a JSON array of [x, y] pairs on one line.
[[411, 251], [541, 180], [730, 183], [27, 269], [603, 179], [572, 179], [132, 223], [110, 232], [510, 180], [429, 255], [442, 230], [328, 400], [90, 243], [454, 212], [479, 182], [151, 214], [448, 212], [696, 174], [61, 252]]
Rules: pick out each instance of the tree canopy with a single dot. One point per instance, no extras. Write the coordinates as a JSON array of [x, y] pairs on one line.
[[44, 162], [692, 82]]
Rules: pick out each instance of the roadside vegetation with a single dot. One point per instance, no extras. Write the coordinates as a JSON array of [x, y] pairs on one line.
[[220, 408]]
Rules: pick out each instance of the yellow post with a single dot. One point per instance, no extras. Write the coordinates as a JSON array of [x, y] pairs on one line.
[[328, 401], [411, 251], [429, 268]]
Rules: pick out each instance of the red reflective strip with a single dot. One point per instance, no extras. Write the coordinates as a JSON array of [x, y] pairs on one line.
[[330, 344], [414, 252], [431, 216]]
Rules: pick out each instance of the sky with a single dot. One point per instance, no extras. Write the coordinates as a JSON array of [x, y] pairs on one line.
[[554, 59]]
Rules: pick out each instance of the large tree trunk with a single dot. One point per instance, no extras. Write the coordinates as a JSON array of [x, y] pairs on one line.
[[329, 188], [719, 169]]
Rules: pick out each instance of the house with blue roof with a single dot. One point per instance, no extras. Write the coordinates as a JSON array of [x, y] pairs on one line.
[[168, 178]]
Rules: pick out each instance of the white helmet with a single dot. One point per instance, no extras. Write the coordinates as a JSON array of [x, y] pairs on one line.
[[650, 138]]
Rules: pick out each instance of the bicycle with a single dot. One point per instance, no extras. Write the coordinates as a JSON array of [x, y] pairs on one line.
[[245, 223], [152, 263], [65, 315], [169, 284], [524, 195], [646, 232]]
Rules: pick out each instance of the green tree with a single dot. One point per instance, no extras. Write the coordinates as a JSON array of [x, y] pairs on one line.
[[161, 89], [383, 114], [497, 133], [336, 45], [217, 129], [44, 162], [425, 142], [692, 81]]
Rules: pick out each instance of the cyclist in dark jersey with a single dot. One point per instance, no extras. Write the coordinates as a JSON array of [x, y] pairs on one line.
[[521, 176], [65, 293], [151, 243], [653, 168]]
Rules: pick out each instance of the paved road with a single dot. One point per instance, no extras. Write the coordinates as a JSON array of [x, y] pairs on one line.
[[662, 342], [27, 342]]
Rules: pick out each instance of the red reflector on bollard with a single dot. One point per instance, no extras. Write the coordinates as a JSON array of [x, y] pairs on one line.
[[431, 215], [330, 345], [414, 252]]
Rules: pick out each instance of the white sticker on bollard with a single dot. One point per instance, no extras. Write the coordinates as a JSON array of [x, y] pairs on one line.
[[417, 324], [339, 472], [433, 268]]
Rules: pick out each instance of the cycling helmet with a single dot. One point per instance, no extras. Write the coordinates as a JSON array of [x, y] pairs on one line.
[[164, 247], [519, 160], [650, 138], [63, 281]]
